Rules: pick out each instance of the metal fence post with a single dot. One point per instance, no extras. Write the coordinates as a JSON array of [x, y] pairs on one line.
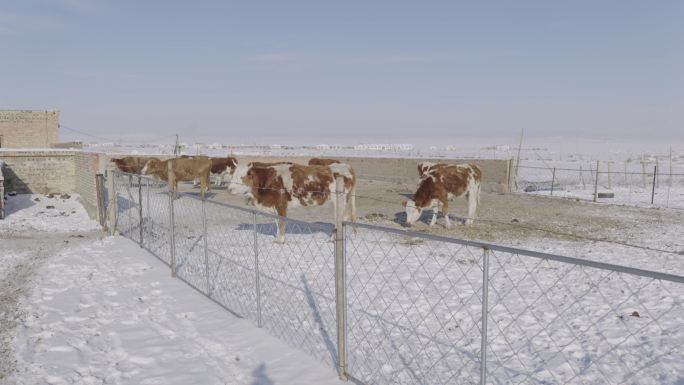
[[257, 283], [140, 208], [596, 181], [206, 245], [655, 174], [340, 280], [172, 235], [485, 305], [147, 186], [129, 207], [113, 206], [553, 180], [2, 194]]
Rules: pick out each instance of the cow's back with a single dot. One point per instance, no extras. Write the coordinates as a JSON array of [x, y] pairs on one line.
[[456, 178], [191, 167], [322, 162]]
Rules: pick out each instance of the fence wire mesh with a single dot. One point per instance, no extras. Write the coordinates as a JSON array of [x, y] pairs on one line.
[[622, 184], [558, 323], [419, 308], [413, 311]]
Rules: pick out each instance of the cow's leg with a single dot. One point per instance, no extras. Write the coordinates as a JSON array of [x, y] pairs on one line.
[[219, 179], [280, 223], [435, 212], [472, 197], [445, 211]]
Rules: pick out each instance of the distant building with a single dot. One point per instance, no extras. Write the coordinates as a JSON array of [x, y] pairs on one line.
[[28, 129], [383, 147]]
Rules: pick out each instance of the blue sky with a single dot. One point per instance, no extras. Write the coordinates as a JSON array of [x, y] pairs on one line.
[[322, 71]]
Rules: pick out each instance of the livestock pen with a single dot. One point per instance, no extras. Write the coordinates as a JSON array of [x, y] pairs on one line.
[[397, 307]]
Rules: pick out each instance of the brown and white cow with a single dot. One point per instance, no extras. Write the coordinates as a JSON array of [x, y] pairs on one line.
[[423, 167], [131, 164], [322, 162], [280, 186], [220, 167], [184, 169], [441, 182]]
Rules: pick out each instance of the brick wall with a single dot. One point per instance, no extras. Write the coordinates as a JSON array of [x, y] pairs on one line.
[[54, 171], [87, 164], [39, 171], [28, 129]]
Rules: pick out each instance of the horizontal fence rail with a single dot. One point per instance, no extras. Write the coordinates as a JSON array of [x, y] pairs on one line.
[[415, 308]]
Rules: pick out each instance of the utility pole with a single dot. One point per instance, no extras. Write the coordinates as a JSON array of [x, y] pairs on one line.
[[517, 161], [176, 148]]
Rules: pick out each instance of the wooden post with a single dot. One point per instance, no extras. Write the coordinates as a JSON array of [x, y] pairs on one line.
[[596, 181], [112, 207], [340, 280], [172, 233], [553, 180], [2, 194], [100, 196], [140, 210], [655, 174], [508, 175]]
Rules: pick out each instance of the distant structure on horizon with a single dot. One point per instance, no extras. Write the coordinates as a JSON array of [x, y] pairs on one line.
[[383, 147], [29, 128]]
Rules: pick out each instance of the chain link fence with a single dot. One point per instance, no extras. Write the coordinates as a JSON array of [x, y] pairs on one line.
[[414, 308], [637, 184]]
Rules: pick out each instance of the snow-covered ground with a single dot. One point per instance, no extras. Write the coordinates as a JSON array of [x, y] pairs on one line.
[[414, 304], [634, 187], [29, 213], [672, 197], [106, 311]]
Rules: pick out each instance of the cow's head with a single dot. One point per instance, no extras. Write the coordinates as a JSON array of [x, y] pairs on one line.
[[239, 183], [413, 212], [425, 193]]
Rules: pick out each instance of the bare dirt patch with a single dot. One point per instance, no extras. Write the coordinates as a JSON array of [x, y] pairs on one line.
[[510, 219]]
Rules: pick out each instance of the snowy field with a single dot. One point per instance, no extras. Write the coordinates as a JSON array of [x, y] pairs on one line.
[[634, 196], [414, 307], [77, 308], [634, 186]]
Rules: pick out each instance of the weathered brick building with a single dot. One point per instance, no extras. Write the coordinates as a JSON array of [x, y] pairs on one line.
[[28, 129]]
